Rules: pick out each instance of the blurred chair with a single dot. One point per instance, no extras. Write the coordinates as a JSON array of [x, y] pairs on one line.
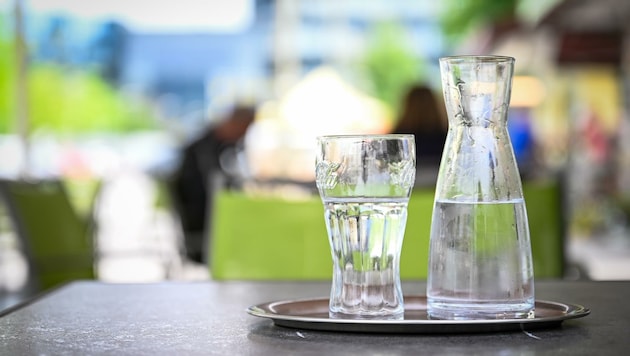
[[268, 238], [546, 227], [414, 257], [56, 240], [545, 212], [82, 194], [271, 238]]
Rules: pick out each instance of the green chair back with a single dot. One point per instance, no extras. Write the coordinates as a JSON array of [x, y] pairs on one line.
[[414, 257], [546, 227], [270, 238], [545, 218], [56, 240]]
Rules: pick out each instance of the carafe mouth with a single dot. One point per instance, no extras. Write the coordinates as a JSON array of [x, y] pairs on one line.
[[475, 58]]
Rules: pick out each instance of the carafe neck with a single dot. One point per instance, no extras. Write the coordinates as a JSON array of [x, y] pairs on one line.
[[477, 89]]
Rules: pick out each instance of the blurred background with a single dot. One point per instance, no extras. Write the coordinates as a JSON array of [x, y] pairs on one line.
[[107, 96]]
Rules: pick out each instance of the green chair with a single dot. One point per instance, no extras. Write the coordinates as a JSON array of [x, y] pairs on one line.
[[270, 238], [545, 217], [414, 257], [546, 227], [56, 240]]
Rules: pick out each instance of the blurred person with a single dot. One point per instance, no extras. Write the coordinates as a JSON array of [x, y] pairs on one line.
[[422, 115], [523, 142], [201, 172]]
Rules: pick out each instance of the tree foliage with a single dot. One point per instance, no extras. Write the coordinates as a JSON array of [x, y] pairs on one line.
[[66, 100], [462, 16], [7, 80], [390, 64], [80, 101]]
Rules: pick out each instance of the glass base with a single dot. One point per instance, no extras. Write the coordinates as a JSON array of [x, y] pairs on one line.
[[368, 316], [480, 311]]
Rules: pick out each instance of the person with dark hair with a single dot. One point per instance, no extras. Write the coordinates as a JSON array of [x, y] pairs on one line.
[[200, 173], [422, 115]]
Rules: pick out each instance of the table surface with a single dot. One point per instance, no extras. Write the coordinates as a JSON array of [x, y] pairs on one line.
[[177, 318]]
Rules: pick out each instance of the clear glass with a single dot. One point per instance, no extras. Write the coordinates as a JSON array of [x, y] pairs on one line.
[[480, 263], [365, 182]]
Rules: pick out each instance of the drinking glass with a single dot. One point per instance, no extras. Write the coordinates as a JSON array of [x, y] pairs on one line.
[[365, 182]]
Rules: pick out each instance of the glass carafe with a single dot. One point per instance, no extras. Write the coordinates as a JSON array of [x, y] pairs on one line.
[[480, 264]]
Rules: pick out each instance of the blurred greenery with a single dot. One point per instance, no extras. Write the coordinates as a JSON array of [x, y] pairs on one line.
[[460, 17], [6, 79], [80, 101], [66, 100], [390, 64]]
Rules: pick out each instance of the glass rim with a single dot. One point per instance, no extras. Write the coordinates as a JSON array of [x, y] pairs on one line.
[[368, 136], [478, 58]]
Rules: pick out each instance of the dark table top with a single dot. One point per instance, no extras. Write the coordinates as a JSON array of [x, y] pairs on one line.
[[177, 318]]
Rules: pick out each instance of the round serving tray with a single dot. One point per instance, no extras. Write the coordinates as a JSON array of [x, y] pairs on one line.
[[312, 314]]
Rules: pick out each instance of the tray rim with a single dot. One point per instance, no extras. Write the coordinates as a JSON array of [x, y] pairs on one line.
[[415, 325]]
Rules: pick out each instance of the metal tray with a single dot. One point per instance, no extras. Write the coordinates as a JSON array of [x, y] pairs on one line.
[[312, 314]]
